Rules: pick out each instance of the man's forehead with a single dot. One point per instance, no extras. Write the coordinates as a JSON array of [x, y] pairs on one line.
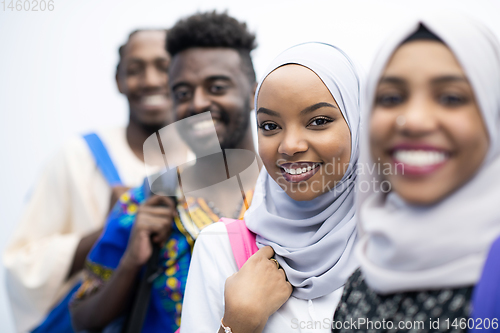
[[206, 62], [146, 41]]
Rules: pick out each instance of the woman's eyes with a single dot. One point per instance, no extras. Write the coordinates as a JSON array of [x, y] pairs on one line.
[[451, 99], [320, 121], [446, 99], [389, 99], [268, 126], [316, 122]]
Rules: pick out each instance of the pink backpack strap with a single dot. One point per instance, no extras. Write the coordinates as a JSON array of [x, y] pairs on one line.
[[242, 240]]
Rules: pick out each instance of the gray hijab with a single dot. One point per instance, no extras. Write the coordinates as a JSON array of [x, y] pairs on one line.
[[313, 240], [406, 247]]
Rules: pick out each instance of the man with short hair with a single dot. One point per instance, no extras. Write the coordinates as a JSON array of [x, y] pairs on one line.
[[67, 208], [212, 71]]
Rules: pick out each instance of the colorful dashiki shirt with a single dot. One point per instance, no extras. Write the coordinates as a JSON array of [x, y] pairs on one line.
[[164, 312]]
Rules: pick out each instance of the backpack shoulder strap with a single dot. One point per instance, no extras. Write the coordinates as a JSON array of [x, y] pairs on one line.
[[242, 240], [103, 159]]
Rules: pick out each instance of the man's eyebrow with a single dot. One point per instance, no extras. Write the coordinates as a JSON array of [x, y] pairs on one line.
[[316, 106], [218, 77], [161, 59], [448, 79], [180, 84], [268, 112], [142, 61], [135, 60]]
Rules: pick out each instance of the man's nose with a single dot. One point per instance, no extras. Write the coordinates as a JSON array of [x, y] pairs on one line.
[[201, 102], [154, 78]]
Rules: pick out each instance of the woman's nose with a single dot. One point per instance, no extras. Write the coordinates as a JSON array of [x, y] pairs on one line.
[[292, 143], [419, 118]]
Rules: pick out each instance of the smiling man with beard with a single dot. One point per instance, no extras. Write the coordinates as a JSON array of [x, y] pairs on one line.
[[205, 76], [67, 208], [211, 70]]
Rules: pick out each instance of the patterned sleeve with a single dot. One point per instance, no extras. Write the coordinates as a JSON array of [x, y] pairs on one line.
[[106, 254], [94, 277]]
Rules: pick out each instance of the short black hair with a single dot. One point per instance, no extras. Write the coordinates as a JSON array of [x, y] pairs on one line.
[[212, 29], [121, 49]]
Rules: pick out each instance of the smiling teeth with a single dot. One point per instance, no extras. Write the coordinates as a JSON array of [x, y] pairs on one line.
[[155, 100], [419, 158], [202, 125], [299, 171]]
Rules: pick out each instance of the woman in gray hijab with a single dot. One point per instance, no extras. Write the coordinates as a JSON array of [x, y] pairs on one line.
[[433, 115], [308, 114]]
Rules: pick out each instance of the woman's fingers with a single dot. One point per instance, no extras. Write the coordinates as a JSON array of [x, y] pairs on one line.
[[284, 273], [266, 252], [259, 288]]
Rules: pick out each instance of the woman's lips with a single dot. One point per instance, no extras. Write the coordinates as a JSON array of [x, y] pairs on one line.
[[419, 161], [298, 171]]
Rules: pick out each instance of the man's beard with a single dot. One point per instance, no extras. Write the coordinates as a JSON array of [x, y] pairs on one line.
[[234, 139], [152, 128], [149, 127]]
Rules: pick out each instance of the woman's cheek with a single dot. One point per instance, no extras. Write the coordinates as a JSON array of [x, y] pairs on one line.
[[381, 124], [268, 153]]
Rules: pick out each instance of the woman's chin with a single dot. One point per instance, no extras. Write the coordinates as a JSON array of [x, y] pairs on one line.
[[421, 196], [303, 190], [296, 194]]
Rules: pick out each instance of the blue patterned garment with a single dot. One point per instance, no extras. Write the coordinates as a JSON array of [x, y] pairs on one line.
[[168, 288]]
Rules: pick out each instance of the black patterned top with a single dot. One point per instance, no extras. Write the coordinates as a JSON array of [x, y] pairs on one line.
[[363, 310]]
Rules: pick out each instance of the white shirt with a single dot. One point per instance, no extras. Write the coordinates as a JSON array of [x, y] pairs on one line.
[[70, 201], [212, 263]]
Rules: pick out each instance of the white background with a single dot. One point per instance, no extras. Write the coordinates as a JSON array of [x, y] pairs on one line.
[[57, 67]]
